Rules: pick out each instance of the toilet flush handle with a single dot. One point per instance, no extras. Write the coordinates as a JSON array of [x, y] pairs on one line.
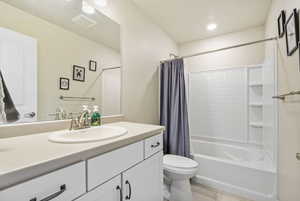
[[298, 156]]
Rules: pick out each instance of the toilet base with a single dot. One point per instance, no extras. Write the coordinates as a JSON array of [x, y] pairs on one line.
[[180, 190]]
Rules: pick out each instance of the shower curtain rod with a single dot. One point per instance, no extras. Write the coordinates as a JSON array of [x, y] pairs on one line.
[[99, 75], [220, 49]]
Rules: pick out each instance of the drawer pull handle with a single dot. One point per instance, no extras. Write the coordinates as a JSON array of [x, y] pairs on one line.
[[155, 145], [54, 195], [121, 194], [128, 197]]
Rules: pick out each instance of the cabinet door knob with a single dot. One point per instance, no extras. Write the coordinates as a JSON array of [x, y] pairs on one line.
[[54, 195], [128, 197], [30, 115], [121, 194], [298, 156]]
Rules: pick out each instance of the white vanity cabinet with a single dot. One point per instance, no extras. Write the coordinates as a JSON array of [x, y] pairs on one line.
[[144, 181], [132, 173], [138, 165], [62, 185]]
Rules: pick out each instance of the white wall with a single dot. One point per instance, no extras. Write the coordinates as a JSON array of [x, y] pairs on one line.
[[248, 55], [289, 111], [143, 45], [111, 89]]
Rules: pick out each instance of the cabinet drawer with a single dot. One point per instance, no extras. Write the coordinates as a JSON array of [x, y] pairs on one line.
[[106, 166], [109, 191], [63, 185], [153, 145]]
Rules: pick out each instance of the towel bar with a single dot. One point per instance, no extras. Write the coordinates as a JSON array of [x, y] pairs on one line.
[[77, 98], [283, 96]]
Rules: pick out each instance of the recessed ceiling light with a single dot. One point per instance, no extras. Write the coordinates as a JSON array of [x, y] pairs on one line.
[[87, 8], [211, 27], [101, 3]]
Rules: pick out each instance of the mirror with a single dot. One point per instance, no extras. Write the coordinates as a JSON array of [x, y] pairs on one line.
[[55, 57]]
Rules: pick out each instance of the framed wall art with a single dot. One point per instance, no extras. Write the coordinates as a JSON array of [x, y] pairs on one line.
[[78, 73], [281, 24], [292, 32], [64, 83], [93, 65]]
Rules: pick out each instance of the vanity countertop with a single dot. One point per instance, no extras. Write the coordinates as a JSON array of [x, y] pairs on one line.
[[26, 157]]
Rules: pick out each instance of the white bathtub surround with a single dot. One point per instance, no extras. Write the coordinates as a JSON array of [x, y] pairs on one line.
[[178, 170], [247, 172], [233, 122]]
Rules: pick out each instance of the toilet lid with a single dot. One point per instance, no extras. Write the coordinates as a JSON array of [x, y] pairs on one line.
[[179, 162]]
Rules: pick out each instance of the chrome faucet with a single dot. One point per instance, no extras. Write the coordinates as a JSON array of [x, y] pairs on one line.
[[85, 120], [81, 122]]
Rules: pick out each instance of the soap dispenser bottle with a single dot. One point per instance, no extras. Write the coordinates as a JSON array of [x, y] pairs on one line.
[[96, 116], [85, 110]]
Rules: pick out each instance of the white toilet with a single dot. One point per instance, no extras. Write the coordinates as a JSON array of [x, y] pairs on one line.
[[177, 173]]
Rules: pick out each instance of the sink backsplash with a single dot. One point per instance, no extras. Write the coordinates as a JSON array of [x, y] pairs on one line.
[[15, 130]]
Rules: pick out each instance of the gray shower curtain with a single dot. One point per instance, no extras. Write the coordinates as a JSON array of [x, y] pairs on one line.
[[173, 108]]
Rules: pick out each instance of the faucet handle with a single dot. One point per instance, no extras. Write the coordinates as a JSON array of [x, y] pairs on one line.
[[74, 123]]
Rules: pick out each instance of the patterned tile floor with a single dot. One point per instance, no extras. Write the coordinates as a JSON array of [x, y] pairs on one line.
[[202, 193]]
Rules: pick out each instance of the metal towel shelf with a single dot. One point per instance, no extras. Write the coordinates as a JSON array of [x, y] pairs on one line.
[[283, 96]]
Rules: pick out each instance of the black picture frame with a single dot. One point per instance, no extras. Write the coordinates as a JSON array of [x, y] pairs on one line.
[[281, 20], [78, 73], [292, 32], [64, 83], [93, 65]]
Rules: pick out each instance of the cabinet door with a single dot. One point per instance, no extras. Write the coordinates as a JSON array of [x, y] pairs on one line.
[[144, 182], [104, 167], [109, 191]]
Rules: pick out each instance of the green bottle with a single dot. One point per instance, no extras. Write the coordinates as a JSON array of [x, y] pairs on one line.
[[96, 117]]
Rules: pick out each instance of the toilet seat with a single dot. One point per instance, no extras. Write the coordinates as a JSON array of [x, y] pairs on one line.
[[179, 164]]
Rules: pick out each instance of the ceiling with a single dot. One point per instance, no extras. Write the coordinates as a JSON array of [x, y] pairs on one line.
[[62, 13], [186, 20]]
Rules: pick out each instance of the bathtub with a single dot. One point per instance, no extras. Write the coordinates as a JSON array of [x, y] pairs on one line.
[[243, 171]]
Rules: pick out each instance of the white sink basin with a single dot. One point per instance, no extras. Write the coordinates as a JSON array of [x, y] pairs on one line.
[[87, 135]]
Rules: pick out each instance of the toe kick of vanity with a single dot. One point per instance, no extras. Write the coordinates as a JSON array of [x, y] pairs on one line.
[[133, 172]]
